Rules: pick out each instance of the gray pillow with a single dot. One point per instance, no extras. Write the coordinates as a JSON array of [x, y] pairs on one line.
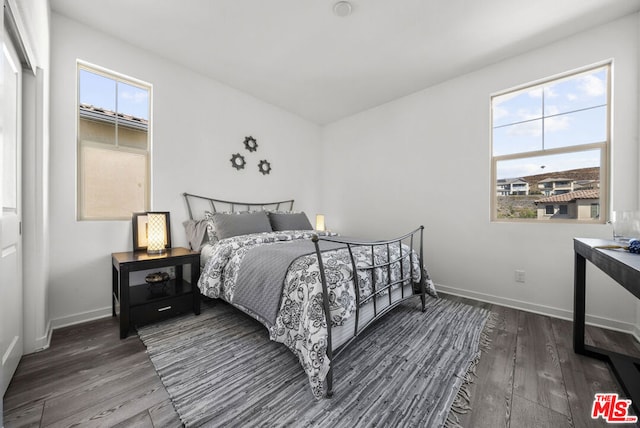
[[196, 233], [289, 221], [229, 225]]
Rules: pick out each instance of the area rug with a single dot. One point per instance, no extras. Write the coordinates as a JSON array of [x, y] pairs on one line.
[[408, 369]]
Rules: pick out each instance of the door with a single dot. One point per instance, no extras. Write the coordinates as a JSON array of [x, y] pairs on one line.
[[11, 305]]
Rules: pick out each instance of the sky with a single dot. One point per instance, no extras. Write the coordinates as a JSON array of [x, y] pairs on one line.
[[562, 113], [100, 91]]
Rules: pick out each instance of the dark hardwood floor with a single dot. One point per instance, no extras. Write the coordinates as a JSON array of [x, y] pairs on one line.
[[529, 378]]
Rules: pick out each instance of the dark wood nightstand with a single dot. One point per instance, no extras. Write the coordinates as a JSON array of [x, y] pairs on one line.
[[136, 304]]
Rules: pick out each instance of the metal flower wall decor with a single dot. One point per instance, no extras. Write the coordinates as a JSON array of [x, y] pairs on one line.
[[264, 167], [250, 143], [238, 161]]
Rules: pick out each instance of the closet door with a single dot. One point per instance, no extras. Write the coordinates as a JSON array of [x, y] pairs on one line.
[[11, 304]]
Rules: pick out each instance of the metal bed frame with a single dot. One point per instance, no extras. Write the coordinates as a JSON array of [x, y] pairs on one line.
[[379, 286], [232, 206], [413, 239]]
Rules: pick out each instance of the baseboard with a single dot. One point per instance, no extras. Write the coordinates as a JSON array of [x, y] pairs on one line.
[[43, 342], [81, 317], [39, 343], [564, 314]]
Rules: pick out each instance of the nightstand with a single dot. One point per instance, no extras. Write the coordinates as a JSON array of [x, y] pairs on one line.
[[136, 304]]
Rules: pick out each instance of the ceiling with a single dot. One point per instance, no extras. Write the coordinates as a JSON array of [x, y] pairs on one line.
[[298, 55]]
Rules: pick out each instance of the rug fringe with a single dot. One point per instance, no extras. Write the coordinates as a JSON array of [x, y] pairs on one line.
[[462, 401]]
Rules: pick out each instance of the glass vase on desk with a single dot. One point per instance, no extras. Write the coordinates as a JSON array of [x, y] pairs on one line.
[[626, 225]]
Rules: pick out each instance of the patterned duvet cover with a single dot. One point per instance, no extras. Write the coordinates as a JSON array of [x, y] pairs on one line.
[[300, 322]]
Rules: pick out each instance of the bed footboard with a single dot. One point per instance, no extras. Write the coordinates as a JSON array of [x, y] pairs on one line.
[[391, 267]]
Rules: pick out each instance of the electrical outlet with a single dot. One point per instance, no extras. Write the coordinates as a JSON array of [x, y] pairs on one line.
[[520, 276], [172, 272]]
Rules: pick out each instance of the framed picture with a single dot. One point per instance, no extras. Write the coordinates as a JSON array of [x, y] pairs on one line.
[[141, 229]]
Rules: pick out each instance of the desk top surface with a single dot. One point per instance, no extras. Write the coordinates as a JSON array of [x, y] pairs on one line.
[[618, 254], [618, 263]]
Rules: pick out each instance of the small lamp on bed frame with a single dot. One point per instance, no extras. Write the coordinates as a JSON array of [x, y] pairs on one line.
[[320, 222], [156, 233]]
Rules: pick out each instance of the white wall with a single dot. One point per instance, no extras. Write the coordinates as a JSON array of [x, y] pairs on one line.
[[197, 123], [425, 159]]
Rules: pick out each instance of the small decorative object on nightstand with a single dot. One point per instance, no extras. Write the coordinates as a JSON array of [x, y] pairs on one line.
[[157, 283], [138, 304]]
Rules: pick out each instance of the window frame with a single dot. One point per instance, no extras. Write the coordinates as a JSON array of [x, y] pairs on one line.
[[119, 78], [604, 146]]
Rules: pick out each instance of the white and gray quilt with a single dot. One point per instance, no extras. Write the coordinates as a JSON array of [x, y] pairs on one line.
[[280, 286]]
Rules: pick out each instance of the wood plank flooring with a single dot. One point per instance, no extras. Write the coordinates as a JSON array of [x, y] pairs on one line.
[[529, 378]]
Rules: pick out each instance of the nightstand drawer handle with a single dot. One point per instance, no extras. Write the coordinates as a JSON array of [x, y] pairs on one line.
[[166, 308]]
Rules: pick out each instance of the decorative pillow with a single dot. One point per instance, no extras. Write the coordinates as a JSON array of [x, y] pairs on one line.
[[211, 227], [196, 233], [289, 221], [229, 225]]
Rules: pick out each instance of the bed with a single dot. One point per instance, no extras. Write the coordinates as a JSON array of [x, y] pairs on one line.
[[314, 291]]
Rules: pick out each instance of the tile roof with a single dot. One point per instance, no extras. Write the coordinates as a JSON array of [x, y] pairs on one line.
[[99, 113], [571, 196]]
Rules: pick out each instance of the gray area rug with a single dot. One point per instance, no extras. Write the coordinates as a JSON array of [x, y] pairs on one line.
[[221, 369]]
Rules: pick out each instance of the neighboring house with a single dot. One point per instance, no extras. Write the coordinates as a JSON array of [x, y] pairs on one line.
[[586, 184], [579, 204], [512, 186], [556, 186]]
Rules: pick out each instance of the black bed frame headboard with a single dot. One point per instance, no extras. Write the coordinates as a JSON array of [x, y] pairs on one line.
[[218, 205]]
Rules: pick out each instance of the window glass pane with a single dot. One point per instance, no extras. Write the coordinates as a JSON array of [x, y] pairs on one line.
[[549, 164], [97, 90], [517, 107], [133, 101], [576, 93], [571, 129], [523, 137], [113, 182], [132, 137], [93, 126], [571, 178], [97, 108]]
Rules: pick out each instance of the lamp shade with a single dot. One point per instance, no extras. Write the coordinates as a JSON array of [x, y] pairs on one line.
[[155, 233], [320, 222]]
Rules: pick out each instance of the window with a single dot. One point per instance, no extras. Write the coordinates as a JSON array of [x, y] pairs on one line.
[[553, 136], [549, 210], [113, 145]]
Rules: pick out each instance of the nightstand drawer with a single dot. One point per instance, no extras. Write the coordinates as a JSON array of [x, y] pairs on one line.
[[160, 309]]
